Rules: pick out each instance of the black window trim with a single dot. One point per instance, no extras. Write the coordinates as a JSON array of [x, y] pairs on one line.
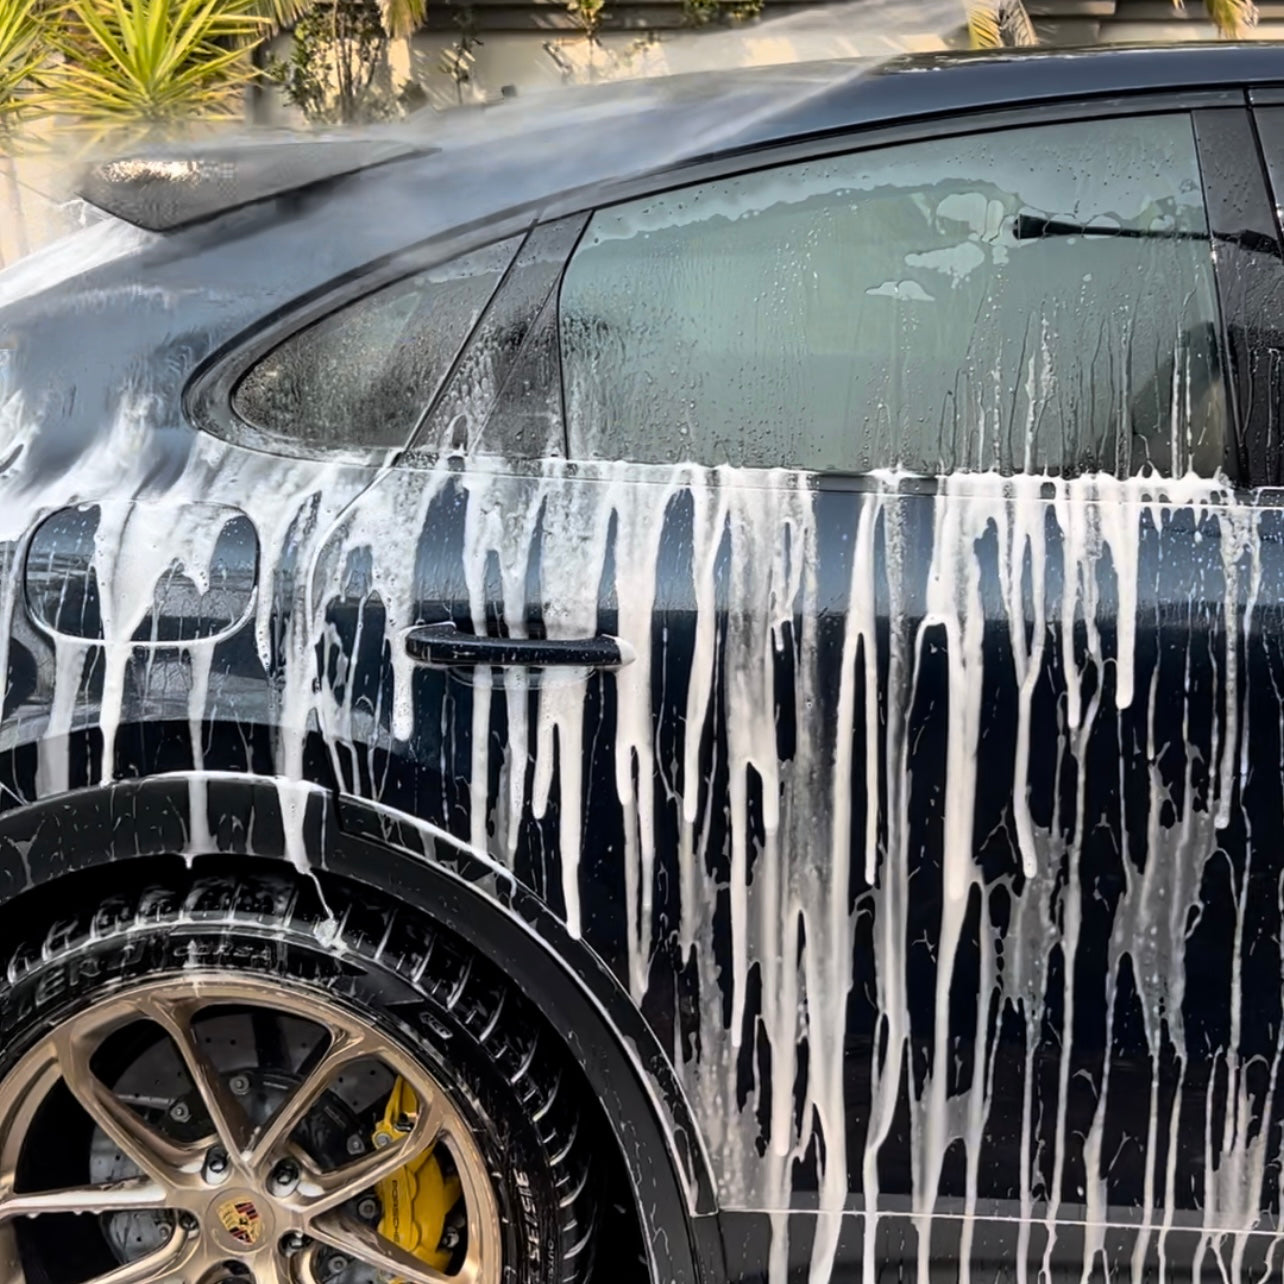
[[418, 454], [1258, 319], [862, 138], [1242, 225], [1209, 103]]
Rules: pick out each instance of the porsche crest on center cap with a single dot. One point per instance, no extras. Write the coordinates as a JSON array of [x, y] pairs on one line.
[[242, 1220]]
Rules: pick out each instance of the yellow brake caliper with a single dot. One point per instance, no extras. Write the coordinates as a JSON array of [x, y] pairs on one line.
[[418, 1198]]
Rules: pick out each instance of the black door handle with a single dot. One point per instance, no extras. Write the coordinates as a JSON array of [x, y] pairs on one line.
[[445, 645]]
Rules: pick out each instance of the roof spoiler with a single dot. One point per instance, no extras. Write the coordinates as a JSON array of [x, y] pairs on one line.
[[163, 190]]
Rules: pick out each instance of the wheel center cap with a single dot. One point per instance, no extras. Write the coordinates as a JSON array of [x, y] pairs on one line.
[[242, 1221]]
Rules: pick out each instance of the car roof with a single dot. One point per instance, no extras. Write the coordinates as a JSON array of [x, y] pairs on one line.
[[665, 121], [948, 83]]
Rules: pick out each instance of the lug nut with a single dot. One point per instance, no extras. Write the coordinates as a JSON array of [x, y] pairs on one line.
[[294, 1242], [368, 1209], [239, 1084], [215, 1164], [285, 1176], [188, 1222], [180, 1112]]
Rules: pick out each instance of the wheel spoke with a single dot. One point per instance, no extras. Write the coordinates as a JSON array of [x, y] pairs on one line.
[[155, 1266], [346, 1046], [304, 1267], [323, 1191], [134, 1193], [158, 1157], [10, 1260], [271, 1267], [357, 1240], [175, 1016]]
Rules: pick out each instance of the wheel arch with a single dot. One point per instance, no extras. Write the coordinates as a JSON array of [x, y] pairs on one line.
[[135, 821]]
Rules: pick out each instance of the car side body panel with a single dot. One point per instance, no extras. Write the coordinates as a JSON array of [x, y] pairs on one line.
[[918, 867]]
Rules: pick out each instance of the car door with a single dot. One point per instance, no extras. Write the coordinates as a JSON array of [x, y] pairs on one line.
[[968, 686], [859, 669]]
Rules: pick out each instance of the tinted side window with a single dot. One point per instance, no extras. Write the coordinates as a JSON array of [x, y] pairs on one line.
[[1036, 299], [363, 375]]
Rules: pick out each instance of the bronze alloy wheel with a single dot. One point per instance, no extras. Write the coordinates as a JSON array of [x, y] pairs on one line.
[[245, 1192], [281, 1107]]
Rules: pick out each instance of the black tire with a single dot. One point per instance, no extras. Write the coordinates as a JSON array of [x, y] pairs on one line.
[[507, 1074]]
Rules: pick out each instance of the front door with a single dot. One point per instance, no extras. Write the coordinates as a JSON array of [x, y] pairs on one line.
[[941, 886]]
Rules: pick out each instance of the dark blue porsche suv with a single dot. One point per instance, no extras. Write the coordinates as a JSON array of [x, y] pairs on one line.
[[702, 708]]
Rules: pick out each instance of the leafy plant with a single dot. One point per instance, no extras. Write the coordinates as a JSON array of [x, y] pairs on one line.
[[587, 16], [458, 59], [993, 24], [700, 13], [151, 62], [336, 70], [22, 54], [1232, 18]]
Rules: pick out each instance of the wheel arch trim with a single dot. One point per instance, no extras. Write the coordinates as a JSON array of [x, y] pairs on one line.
[[271, 818]]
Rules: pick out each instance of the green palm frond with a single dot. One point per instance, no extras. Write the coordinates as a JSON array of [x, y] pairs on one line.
[[402, 17], [152, 61], [23, 53], [996, 24], [279, 15], [983, 29], [1232, 18]]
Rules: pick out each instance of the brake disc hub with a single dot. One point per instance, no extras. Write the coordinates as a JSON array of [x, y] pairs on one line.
[[324, 1135]]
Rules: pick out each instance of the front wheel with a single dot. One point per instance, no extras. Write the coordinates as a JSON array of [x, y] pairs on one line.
[[219, 1082]]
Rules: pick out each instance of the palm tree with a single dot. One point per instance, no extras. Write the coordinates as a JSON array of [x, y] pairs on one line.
[[401, 18], [995, 23], [151, 63]]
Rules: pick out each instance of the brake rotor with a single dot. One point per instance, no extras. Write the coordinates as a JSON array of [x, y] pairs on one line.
[[153, 1078]]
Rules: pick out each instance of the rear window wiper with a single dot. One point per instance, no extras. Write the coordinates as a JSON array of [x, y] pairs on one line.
[[1032, 227]]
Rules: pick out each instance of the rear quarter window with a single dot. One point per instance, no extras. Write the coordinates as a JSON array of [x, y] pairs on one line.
[[362, 376]]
